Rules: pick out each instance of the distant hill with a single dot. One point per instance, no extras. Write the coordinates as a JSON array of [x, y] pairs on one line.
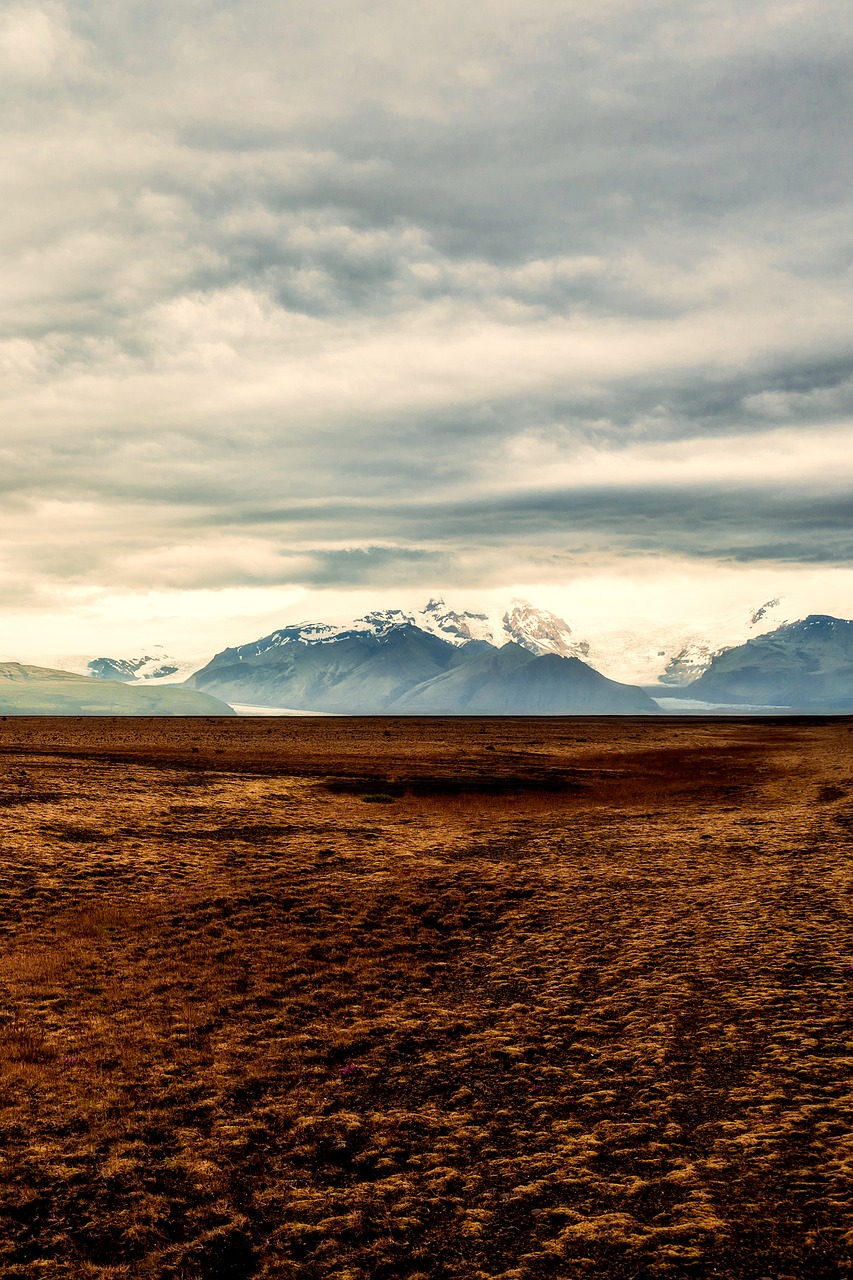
[[807, 665], [42, 691], [402, 668]]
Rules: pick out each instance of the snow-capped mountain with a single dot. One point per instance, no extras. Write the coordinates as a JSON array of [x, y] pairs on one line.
[[696, 655], [398, 667], [127, 669], [378, 623], [534, 629]]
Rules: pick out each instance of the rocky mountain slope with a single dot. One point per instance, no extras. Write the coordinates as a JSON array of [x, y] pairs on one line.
[[807, 665]]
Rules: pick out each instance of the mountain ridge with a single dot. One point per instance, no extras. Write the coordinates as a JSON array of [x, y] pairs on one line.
[[667, 668], [805, 665]]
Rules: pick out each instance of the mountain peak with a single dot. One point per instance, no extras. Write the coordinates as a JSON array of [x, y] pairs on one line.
[[767, 607]]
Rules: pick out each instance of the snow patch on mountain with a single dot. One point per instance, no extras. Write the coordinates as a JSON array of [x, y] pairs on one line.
[[688, 663], [458, 628], [767, 611], [534, 629]]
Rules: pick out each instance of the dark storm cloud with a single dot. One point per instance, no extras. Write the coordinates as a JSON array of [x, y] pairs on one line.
[[360, 280], [701, 522], [375, 566]]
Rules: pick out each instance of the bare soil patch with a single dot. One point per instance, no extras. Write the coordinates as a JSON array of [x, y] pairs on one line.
[[371, 999]]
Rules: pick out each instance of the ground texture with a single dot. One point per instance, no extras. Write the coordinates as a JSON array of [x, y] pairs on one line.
[[379, 999]]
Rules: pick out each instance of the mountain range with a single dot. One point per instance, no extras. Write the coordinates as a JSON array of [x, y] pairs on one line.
[[673, 657], [517, 660], [388, 664]]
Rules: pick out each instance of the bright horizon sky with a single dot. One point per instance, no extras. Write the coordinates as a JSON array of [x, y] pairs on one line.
[[305, 310]]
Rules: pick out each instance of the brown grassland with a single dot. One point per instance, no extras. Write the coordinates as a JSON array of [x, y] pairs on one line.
[[333, 999]]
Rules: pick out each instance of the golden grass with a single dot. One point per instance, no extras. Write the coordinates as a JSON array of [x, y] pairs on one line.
[[574, 1000]]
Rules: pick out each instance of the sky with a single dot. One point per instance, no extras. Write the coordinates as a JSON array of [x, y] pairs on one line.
[[310, 307]]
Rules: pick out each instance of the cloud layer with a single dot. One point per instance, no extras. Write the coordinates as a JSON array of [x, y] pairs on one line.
[[358, 293]]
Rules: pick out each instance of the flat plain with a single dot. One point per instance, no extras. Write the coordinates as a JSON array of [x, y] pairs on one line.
[[398, 999]]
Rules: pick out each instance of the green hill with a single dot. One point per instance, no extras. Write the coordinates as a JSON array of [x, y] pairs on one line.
[[41, 691]]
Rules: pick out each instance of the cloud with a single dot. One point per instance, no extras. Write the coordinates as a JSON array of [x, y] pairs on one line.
[[369, 293], [37, 47]]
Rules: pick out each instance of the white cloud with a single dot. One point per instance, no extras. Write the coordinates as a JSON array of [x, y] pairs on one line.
[[36, 44]]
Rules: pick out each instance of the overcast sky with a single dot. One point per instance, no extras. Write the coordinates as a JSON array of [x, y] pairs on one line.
[[309, 303]]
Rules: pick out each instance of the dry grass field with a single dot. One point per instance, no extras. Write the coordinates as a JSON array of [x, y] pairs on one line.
[[330, 999]]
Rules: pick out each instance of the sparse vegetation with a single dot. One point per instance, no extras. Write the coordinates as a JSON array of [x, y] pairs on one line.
[[251, 1029]]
